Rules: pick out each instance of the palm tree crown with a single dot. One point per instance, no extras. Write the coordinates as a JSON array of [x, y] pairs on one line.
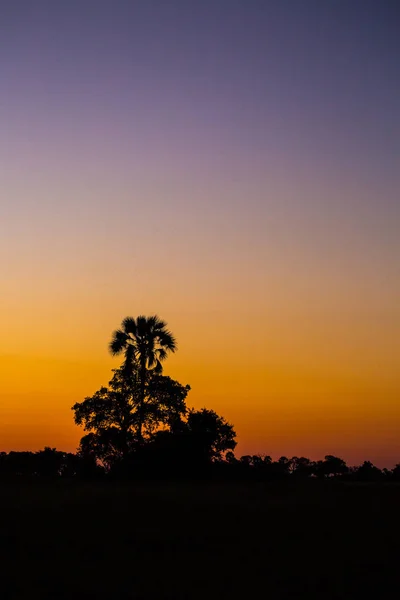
[[144, 341]]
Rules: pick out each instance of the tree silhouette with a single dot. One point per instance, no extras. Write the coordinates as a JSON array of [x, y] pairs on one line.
[[395, 473], [189, 446], [368, 472], [301, 467], [145, 343], [113, 415], [246, 461], [50, 462], [213, 434], [332, 466]]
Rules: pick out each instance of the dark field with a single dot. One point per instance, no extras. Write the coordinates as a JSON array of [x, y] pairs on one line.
[[69, 540]]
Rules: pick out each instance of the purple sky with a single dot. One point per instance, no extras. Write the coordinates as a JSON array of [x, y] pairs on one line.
[[221, 83]]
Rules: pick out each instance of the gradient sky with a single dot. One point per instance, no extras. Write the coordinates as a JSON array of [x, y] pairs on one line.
[[232, 165]]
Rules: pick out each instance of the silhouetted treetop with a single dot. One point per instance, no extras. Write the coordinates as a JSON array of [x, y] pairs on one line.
[[215, 434], [145, 343]]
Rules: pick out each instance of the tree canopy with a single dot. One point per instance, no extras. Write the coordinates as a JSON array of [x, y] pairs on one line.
[[145, 343], [140, 403]]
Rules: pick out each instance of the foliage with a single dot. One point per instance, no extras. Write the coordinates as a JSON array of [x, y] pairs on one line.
[[139, 425], [111, 416], [144, 341], [332, 466], [48, 463], [213, 433], [177, 453], [142, 407]]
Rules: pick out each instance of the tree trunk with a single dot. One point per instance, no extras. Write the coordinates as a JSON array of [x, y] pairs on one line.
[[143, 371]]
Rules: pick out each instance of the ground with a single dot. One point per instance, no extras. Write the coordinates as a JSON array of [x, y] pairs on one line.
[[199, 541]]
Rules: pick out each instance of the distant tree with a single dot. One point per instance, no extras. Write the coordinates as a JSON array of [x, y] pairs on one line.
[[246, 461], [368, 472], [145, 343], [387, 473], [49, 462], [281, 467], [212, 433], [302, 467], [332, 466], [257, 461], [396, 472], [20, 464], [189, 446], [231, 458], [109, 446]]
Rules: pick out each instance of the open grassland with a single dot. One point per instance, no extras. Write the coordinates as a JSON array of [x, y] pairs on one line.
[[199, 540]]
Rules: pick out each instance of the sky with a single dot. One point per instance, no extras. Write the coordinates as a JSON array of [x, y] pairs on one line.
[[231, 165]]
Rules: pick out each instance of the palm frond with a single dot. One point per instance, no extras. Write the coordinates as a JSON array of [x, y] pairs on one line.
[[151, 358], [167, 340], [158, 367], [118, 342], [156, 323], [129, 325], [162, 354]]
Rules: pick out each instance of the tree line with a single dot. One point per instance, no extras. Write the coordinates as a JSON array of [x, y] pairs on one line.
[[51, 463], [140, 426]]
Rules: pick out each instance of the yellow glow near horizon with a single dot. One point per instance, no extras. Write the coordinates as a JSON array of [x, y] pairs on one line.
[[290, 381]]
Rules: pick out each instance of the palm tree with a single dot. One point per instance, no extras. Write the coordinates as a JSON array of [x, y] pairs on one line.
[[145, 343]]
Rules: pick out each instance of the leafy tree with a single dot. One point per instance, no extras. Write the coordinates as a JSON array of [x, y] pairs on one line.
[[280, 468], [260, 461], [332, 466], [213, 433], [50, 462], [145, 343], [113, 414], [107, 445], [165, 403], [301, 467], [19, 463], [191, 445], [368, 472], [396, 472], [246, 461], [231, 458]]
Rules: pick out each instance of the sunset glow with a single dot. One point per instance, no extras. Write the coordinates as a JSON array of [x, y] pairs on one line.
[[234, 170]]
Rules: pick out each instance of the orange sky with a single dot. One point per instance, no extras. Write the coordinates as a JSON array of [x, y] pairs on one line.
[[310, 377], [234, 171], [287, 325]]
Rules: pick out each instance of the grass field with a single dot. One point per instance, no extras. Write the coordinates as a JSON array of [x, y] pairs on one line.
[[202, 540]]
